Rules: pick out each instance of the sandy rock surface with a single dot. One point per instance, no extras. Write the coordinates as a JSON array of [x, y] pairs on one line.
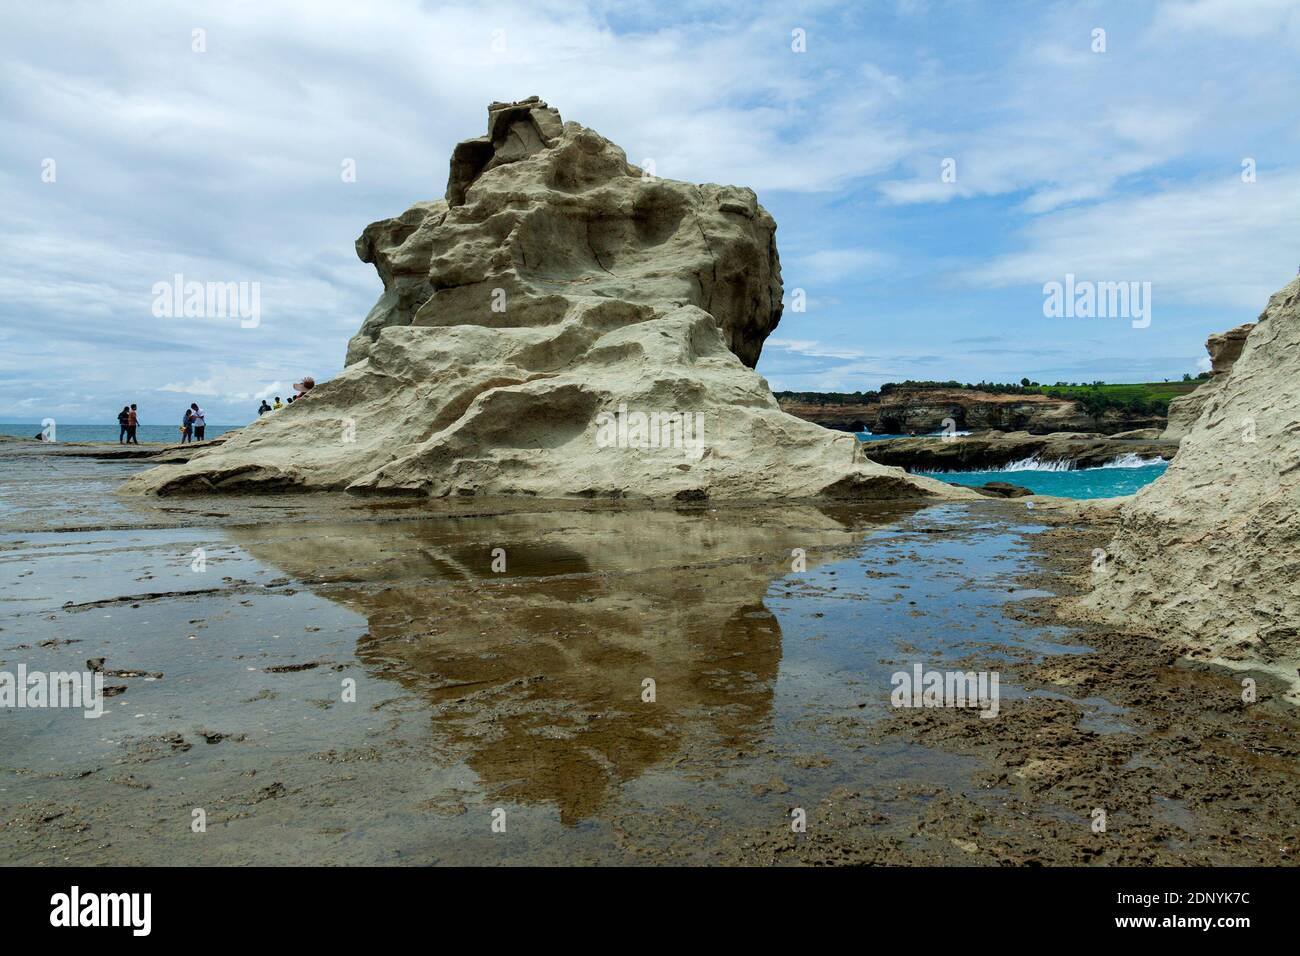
[[562, 324], [1224, 348], [1208, 555]]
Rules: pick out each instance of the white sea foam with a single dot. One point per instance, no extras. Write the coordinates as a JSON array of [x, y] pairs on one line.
[[1034, 463], [1133, 460]]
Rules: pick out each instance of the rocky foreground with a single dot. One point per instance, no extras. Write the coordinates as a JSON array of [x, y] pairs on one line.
[[562, 324], [1208, 556]]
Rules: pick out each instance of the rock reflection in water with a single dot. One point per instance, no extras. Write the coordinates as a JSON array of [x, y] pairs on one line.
[[534, 676]]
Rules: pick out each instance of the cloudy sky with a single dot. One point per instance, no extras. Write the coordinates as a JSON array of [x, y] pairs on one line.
[[127, 157]]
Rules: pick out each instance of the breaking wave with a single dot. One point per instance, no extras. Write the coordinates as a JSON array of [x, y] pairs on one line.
[[1034, 463], [1129, 461], [1134, 460]]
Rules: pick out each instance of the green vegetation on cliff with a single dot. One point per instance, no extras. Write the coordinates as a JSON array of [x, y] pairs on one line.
[[830, 398], [1141, 398]]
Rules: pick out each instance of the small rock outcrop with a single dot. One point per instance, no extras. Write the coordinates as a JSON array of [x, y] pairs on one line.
[[1003, 489], [993, 450], [561, 324], [1208, 555], [1224, 349]]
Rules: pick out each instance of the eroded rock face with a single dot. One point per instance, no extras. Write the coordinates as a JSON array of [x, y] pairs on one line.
[[568, 215], [1208, 555], [561, 324], [1224, 349]]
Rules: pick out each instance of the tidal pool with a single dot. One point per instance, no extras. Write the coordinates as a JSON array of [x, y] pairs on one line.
[[358, 681]]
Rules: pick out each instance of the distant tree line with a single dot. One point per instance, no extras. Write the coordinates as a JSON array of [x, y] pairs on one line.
[[830, 398], [1095, 397]]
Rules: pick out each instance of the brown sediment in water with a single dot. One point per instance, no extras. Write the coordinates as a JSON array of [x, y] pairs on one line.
[[1185, 772]]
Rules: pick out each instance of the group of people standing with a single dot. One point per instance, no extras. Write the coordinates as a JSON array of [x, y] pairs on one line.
[[193, 424], [299, 390], [195, 421]]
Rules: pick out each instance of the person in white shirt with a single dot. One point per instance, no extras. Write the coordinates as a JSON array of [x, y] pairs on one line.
[[200, 422]]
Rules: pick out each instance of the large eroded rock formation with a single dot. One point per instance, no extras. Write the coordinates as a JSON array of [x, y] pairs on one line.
[[562, 324], [1208, 555], [1224, 348]]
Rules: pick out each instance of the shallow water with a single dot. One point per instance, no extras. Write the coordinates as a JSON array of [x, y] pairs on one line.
[[477, 688]]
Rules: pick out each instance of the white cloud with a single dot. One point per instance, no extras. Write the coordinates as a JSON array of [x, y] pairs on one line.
[[832, 265], [1279, 19], [1057, 124], [811, 348], [228, 169], [1222, 243], [205, 387], [228, 383]]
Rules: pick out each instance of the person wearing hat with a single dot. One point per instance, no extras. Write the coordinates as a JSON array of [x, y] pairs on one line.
[[305, 386]]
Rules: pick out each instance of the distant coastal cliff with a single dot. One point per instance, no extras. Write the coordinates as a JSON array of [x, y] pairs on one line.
[[922, 408]]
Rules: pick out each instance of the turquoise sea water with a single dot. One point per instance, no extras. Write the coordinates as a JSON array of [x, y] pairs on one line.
[[145, 433], [1080, 483]]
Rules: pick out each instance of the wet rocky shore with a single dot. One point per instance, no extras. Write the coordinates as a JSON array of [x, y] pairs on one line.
[[343, 680]]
